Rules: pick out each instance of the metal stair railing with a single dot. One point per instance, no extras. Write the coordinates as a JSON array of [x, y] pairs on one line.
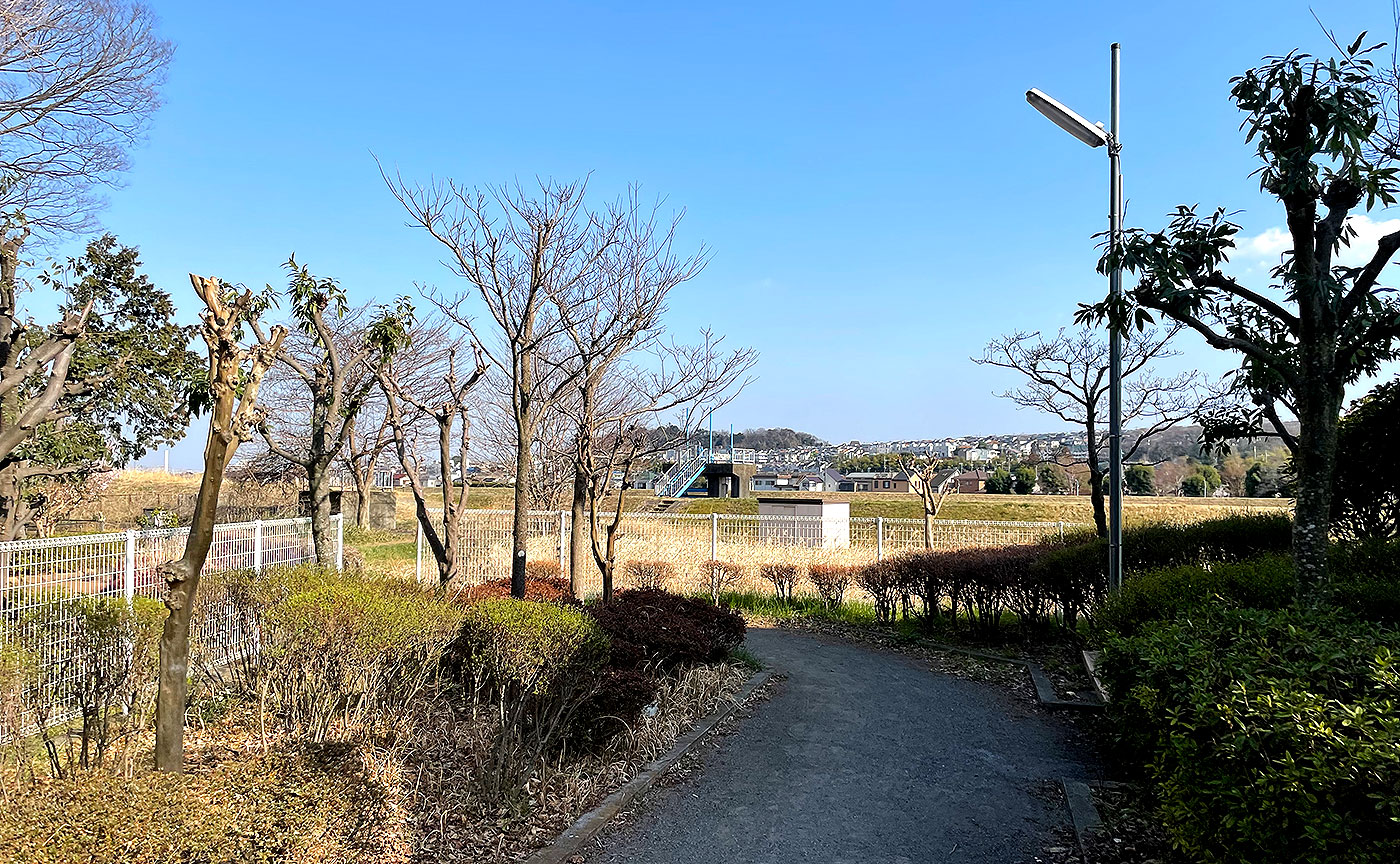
[[683, 473]]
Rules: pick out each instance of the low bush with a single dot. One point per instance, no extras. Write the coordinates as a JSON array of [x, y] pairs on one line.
[[1366, 578], [1168, 594], [884, 581], [831, 582], [654, 629], [534, 665], [650, 575], [723, 577], [335, 654], [1270, 735], [618, 698], [550, 589], [782, 576], [308, 807]]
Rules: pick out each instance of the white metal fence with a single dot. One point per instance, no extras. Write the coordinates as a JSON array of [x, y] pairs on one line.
[[39, 580], [687, 540]]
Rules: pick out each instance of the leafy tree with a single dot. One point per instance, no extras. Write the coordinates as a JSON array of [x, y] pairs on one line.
[[102, 388], [1194, 486], [1000, 482], [1367, 481], [1140, 479], [1023, 479], [1052, 479], [1318, 326]]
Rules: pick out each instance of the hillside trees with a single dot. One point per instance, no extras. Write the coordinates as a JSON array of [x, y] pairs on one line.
[[103, 386], [1067, 377], [1317, 325]]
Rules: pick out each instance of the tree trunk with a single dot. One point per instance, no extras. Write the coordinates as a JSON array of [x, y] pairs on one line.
[[578, 532], [1096, 472], [520, 521], [318, 483], [362, 490], [928, 526], [1314, 464]]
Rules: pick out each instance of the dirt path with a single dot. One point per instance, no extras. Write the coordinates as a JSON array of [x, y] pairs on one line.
[[863, 755]]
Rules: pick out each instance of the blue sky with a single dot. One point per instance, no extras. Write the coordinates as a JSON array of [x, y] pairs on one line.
[[880, 199]]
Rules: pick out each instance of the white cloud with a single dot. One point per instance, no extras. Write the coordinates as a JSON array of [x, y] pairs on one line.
[[1266, 247]]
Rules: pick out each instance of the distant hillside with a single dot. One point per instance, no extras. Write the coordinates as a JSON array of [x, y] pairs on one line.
[[761, 439], [1186, 441]]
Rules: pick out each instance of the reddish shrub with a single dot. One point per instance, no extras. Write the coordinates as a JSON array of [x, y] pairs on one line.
[[539, 570], [654, 628], [649, 575], [619, 696], [883, 581], [831, 582], [723, 577], [782, 576]]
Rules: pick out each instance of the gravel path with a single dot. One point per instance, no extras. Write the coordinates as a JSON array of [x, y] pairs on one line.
[[863, 755]]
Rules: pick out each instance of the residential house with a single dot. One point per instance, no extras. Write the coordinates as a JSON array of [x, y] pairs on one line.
[[970, 482], [875, 481]]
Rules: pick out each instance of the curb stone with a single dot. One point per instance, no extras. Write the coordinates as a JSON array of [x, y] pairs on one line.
[[589, 824], [1082, 812]]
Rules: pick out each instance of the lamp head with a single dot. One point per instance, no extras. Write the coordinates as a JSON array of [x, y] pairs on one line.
[[1092, 134]]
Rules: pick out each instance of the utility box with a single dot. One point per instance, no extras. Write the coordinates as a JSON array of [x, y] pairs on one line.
[[805, 522]]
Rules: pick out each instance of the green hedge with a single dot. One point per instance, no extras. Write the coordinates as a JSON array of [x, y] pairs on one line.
[[1271, 735], [529, 644], [1264, 582]]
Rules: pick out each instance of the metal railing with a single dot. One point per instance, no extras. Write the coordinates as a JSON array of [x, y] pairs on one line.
[[41, 579], [687, 540], [678, 479]]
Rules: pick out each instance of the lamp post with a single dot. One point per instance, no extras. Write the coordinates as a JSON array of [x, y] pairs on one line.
[[1094, 135]]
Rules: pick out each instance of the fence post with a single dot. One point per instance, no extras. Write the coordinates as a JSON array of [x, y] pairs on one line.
[[714, 536], [1062, 530], [879, 538], [129, 570], [257, 546], [418, 553], [563, 534], [339, 542]]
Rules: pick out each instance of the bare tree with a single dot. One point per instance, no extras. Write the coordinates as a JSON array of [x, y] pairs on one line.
[[331, 363], [235, 374], [635, 279], [528, 257], [362, 453], [933, 484], [79, 81], [449, 410], [622, 428], [1068, 378]]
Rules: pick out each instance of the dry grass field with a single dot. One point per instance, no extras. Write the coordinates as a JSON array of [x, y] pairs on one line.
[[1005, 508]]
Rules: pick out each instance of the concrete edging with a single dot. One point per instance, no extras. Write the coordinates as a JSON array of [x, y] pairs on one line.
[[589, 824], [1044, 690], [1082, 812]]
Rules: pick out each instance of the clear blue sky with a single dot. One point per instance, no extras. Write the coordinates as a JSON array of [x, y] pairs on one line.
[[879, 197]]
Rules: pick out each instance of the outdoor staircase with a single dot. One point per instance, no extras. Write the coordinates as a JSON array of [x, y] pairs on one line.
[[676, 481]]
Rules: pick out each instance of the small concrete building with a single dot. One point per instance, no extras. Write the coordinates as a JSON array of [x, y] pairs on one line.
[[805, 522]]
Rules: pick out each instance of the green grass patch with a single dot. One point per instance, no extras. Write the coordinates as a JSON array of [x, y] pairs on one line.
[[388, 553], [852, 612]]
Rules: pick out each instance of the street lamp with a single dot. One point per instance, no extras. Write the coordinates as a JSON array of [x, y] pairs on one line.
[[1094, 135]]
